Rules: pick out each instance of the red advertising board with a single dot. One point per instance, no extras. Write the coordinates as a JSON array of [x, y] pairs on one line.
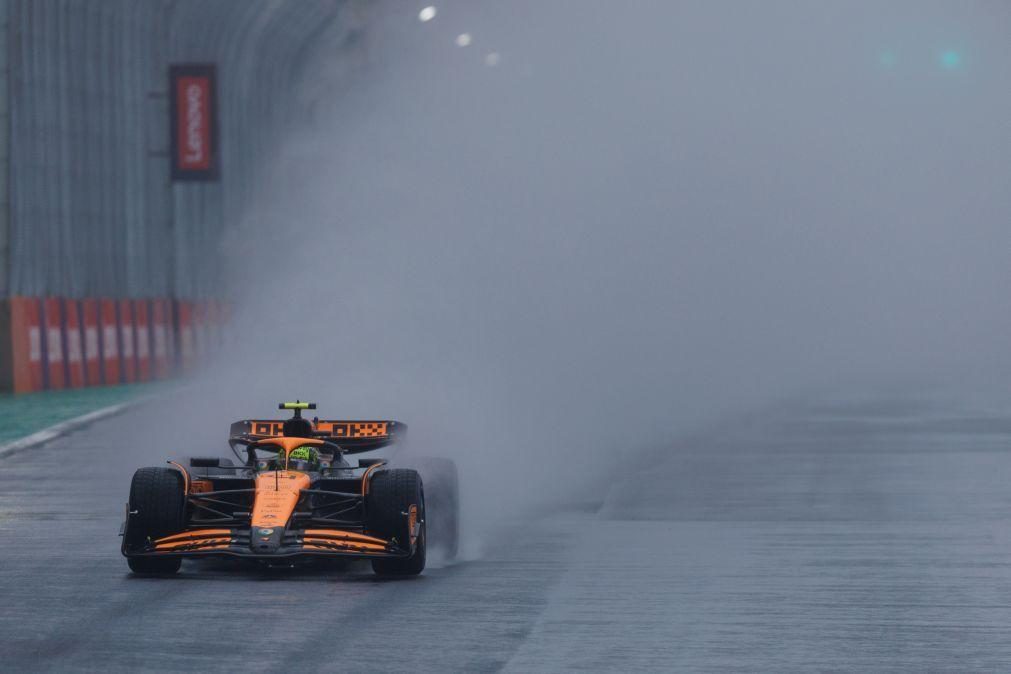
[[194, 121], [141, 326], [109, 343], [26, 344], [72, 339], [92, 351], [53, 345], [128, 356], [160, 321]]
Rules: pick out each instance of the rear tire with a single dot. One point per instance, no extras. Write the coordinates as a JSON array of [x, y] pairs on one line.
[[158, 499], [442, 502], [391, 494]]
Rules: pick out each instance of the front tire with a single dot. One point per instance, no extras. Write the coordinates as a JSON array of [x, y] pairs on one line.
[[158, 500], [391, 494]]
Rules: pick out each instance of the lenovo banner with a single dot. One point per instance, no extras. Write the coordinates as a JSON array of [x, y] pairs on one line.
[[194, 122]]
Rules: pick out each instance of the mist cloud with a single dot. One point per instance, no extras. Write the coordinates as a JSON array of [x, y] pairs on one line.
[[645, 215]]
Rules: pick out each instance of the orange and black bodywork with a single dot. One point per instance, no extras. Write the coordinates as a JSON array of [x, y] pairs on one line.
[[265, 509]]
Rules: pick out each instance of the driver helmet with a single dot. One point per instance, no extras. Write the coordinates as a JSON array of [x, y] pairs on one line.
[[303, 458]]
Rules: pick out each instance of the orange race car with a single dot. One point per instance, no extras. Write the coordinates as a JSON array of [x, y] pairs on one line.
[[293, 497]]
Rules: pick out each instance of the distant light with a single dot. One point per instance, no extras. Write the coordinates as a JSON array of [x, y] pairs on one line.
[[463, 39], [888, 59], [492, 59], [950, 59], [427, 14]]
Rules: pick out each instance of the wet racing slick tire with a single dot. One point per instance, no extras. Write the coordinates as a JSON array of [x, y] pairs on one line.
[[391, 494], [158, 499], [442, 502]]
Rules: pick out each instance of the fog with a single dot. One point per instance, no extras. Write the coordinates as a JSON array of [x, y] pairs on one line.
[[644, 216]]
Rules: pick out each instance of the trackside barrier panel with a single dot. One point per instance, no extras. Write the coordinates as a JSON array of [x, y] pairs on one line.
[[142, 339], [92, 352], [187, 349], [172, 342], [74, 365], [109, 342], [52, 345], [215, 323], [160, 338], [127, 360], [199, 313], [26, 345], [55, 342]]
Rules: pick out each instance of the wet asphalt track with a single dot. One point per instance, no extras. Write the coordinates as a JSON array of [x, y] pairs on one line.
[[857, 536]]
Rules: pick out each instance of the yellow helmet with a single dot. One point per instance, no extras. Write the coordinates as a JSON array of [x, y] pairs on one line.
[[304, 458]]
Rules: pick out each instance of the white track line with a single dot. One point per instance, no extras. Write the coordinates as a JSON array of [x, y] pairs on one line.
[[62, 428]]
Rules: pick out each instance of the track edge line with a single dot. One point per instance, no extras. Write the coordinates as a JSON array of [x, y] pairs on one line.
[[63, 428]]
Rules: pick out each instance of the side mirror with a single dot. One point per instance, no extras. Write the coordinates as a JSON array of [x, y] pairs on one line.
[[365, 463], [203, 462]]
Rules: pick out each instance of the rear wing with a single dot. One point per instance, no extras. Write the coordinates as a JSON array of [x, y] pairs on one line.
[[352, 435]]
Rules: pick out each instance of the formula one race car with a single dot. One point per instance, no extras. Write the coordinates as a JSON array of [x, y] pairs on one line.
[[292, 498]]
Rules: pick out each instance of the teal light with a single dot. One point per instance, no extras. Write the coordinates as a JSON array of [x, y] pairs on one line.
[[950, 59], [888, 59]]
